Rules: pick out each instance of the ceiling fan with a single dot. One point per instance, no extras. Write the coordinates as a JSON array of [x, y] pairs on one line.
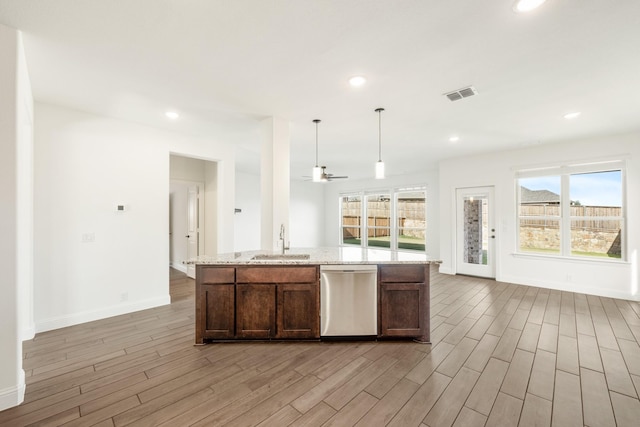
[[324, 176], [320, 172]]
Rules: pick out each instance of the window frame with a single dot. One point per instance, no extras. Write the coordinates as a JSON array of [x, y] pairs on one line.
[[565, 219]]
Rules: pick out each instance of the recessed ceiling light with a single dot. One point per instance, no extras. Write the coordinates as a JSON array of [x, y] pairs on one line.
[[527, 5], [571, 116], [357, 81], [454, 138], [172, 115]]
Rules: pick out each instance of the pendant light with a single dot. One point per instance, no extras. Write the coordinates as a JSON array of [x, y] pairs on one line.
[[316, 174], [379, 163]]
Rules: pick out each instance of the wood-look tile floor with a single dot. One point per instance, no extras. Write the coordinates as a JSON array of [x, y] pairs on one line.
[[501, 354]]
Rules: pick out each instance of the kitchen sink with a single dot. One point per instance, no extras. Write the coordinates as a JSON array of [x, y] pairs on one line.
[[280, 257]]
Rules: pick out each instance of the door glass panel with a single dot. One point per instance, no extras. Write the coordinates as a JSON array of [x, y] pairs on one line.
[[351, 220], [476, 230]]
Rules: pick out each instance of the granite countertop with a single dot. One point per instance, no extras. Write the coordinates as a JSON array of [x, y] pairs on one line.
[[327, 256]]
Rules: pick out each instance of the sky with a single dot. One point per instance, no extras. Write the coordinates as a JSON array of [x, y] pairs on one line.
[[591, 189]]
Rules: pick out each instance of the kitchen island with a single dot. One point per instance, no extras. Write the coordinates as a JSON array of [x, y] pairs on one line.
[[270, 296]]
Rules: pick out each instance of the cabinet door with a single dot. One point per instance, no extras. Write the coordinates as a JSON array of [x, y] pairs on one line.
[[402, 309], [297, 313], [216, 311], [255, 311]]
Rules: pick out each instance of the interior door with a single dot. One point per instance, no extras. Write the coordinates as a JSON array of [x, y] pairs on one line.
[[475, 232], [193, 227]]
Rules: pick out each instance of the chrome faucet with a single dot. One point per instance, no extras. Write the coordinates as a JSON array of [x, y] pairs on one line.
[[282, 236]]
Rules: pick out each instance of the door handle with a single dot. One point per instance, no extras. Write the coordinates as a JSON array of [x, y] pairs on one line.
[[187, 236]]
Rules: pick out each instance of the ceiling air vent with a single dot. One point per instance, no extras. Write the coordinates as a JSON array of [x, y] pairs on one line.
[[461, 93]]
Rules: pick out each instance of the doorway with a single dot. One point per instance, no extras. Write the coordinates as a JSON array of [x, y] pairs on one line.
[[186, 232], [475, 232], [193, 207]]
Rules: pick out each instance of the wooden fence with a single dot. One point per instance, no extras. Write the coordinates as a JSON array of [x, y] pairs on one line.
[[411, 213], [591, 218], [351, 226]]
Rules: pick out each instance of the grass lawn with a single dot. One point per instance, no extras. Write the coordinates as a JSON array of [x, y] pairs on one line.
[[404, 242]]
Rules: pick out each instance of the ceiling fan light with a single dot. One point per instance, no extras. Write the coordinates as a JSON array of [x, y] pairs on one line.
[[379, 169], [316, 175]]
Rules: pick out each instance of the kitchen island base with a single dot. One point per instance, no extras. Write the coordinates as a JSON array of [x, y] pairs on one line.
[[282, 302]]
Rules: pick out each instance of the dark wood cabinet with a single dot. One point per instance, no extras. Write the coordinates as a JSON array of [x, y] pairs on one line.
[[298, 311], [255, 311], [257, 302], [218, 311], [403, 301], [215, 303]]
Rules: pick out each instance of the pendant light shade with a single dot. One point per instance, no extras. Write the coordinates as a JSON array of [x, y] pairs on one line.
[[379, 169], [379, 163], [316, 174]]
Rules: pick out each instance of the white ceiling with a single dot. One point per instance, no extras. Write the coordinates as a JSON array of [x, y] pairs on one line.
[[225, 65]]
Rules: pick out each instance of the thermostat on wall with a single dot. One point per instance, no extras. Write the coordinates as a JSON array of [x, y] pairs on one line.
[[121, 208]]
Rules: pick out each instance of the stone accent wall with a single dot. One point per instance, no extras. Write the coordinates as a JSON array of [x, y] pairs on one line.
[[473, 231], [592, 241]]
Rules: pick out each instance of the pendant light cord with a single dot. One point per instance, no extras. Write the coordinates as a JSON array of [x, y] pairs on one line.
[[316, 121], [379, 111]]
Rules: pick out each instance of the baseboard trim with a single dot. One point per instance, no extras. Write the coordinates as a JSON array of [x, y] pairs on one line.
[[179, 266], [90, 316], [446, 270], [29, 333], [13, 396], [561, 286]]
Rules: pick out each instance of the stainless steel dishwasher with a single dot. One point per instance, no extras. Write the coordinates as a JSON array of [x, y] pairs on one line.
[[348, 300]]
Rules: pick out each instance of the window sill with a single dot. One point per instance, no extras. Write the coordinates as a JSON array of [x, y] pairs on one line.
[[578, 260]]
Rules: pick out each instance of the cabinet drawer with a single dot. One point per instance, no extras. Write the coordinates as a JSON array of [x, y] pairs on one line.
[[402, 273], [277, 274], [210, 275]]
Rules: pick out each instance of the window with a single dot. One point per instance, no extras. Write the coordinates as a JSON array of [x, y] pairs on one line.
[[351, 214], [540, 214], [572, 211], [379, 220], [596, 214], [411, 216], [394, 219]]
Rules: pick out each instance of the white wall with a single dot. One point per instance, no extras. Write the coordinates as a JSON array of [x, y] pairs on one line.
[[614, 279], [85, 166], [213, 220], [275, 181], [25, 172], [428, 179], [178, 199], [186, 169], [16, 225], [247, 222], [306, 213]]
